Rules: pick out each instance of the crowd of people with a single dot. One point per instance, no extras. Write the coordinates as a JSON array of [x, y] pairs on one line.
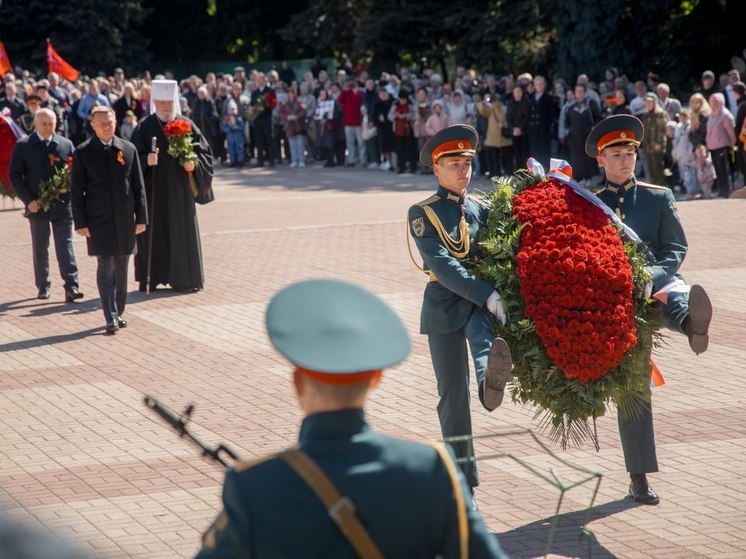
[[352, 118]]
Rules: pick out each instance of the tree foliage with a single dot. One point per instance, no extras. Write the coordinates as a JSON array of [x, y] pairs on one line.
[[675, 38], [92, 35]]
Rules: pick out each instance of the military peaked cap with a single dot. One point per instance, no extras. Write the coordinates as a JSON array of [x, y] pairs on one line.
[[459, 139], [612, 131], [336, 328]]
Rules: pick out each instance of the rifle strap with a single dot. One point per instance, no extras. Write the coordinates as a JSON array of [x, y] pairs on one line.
[[341, 509], [463, 524]]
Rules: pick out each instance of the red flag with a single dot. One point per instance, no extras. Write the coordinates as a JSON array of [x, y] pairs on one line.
[[5, 66], [58, 65]]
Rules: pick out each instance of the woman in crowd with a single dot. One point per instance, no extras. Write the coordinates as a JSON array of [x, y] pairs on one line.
[[517, 116], [385, 130], [720, 139], [401, 115], [498, 144], [292, 115]]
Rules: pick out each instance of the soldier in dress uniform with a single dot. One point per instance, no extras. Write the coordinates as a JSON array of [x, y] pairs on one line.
[[650, 211], [344, 490], [457, 306]]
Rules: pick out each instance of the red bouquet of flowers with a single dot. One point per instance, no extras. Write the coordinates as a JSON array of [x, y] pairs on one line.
[[179, 135], [580, 327]]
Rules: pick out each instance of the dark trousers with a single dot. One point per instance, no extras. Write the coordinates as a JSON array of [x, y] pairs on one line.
[[405, 153], [451, 365], [264, 142], [111, 278], [721, 162], [63, 247], [520, 152], [638, 440], [499, 160]]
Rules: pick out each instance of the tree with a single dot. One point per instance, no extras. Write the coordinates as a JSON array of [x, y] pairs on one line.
[[92, 35]]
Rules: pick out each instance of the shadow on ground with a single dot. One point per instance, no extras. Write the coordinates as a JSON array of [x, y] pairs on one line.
[[570, 539]]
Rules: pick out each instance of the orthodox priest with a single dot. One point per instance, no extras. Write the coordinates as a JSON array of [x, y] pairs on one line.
[[171, 253]]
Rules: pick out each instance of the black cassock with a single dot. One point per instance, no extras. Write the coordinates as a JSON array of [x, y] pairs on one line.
[[177, 252]]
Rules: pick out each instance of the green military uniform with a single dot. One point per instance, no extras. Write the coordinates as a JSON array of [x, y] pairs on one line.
[[408, 496], [650, 211], [445, 228]]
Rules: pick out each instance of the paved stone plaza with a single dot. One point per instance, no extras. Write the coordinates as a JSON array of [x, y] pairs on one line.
[[80, 454]]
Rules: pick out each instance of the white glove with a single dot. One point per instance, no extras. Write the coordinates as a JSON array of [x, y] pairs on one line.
[[648, 292], [495, 306]]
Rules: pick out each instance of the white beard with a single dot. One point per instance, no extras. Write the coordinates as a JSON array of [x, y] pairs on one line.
[[166, 117]]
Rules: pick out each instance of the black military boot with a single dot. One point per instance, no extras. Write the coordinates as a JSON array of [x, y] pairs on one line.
[[640, 491]]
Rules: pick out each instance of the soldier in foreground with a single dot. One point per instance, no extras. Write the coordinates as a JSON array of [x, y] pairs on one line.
[[344, 490], [458, 307]]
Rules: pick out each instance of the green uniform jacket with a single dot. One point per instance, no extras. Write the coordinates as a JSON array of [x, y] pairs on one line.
[[448, 302], [651, 212], [401, 490]]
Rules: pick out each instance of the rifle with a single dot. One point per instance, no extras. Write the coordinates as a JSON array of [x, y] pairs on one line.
[[180, 421]]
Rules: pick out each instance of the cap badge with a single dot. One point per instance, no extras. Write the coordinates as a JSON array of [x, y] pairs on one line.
[[623, 135], [461, 145]]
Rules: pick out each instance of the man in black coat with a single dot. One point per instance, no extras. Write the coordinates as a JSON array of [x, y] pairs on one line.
[[109, 208], [35, 159], [542, 113]]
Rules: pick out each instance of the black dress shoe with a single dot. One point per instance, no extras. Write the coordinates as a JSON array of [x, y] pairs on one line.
[[43, 293], [640, 491], [112, 329], [72, 294], [121, 323]]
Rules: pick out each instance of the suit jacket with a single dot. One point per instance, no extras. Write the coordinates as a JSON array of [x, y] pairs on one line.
[[401, 490], [454, 289], [651, 212], [108, 195], [33, 162]]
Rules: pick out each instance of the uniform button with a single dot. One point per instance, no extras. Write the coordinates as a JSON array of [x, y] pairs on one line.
[[623, 216], [621, 199]]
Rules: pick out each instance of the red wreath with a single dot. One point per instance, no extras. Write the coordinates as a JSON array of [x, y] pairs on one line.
[[576, 281]]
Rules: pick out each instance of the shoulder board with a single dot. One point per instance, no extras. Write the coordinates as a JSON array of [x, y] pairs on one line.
[[245, 465], [477, 200], [427, 202], [651, 186]]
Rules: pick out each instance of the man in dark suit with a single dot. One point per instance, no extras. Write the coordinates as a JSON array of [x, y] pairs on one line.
[[458, 307], [109, 209], [35, 159], [344, 490], [650, 211]]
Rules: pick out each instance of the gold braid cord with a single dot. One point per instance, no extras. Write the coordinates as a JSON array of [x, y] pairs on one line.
[[459, 248]]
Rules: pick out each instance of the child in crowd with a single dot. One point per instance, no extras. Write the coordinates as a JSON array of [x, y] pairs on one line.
[[683, 155], [705, 171], [233, 126]]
